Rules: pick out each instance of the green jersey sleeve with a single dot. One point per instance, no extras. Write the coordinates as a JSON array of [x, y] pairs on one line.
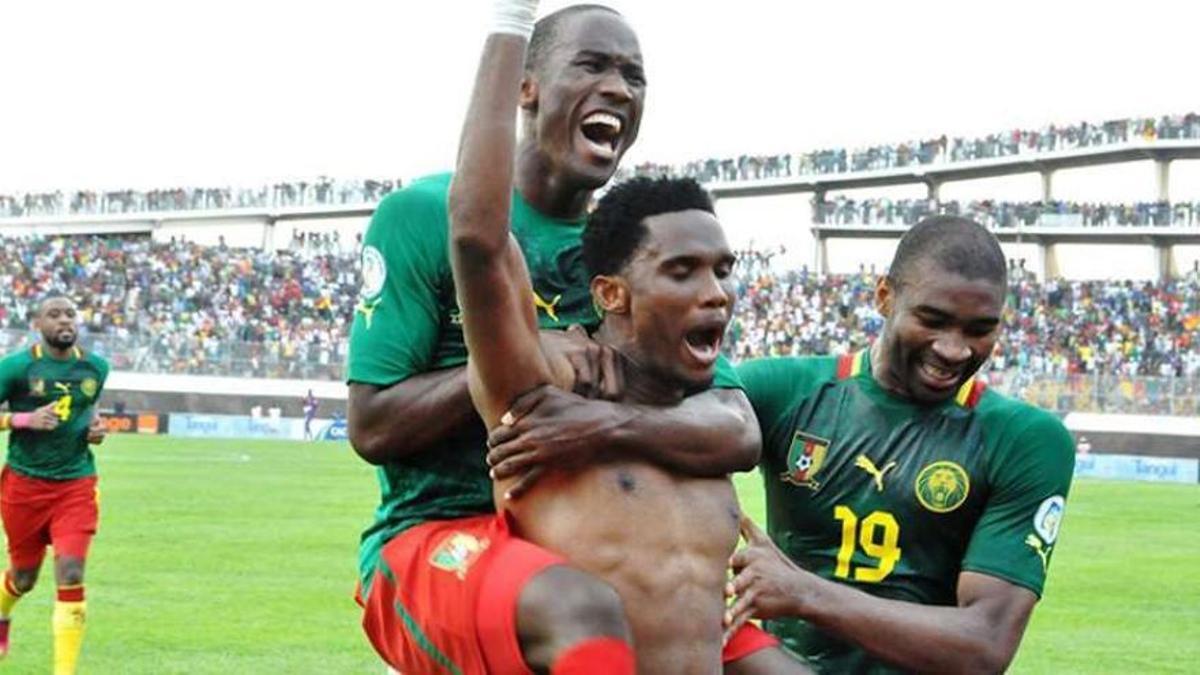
[[12, 370], [726, 376], [1030, 478], [404, 271], [777, 385]]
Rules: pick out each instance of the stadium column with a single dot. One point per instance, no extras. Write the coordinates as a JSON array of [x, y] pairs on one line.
[[1047, 185], [1162, 175], [933, 189], [1164, 259], [1049, 260]]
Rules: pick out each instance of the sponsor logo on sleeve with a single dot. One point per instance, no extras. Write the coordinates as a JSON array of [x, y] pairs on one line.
[[374, 272], [1049, 517]]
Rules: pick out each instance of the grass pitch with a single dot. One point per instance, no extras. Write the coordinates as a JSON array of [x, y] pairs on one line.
[[239, 557]]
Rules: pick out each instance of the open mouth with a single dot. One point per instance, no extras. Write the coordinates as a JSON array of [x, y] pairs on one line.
[[602, 133], [938, 377], [704, 343]]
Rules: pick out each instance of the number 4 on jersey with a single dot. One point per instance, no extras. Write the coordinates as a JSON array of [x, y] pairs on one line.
[[62, 407]]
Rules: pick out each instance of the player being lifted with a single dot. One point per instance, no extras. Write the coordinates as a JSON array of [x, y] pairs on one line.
[[48, 486], [915, 510], [661, 276]]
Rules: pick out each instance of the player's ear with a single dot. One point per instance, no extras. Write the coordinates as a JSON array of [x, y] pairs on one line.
[[885, 296], [610, 294], [529, 93]]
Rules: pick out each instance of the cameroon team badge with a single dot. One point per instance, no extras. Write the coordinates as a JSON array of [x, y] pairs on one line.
[[457, 553], [37, 387], [805, 458], [942, 486]]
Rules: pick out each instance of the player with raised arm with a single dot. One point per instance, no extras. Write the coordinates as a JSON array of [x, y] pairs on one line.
[[661, 277], [48, 486], [913, 511], [443, 581]]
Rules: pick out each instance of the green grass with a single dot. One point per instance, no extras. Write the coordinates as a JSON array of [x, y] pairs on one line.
[[239, 557]]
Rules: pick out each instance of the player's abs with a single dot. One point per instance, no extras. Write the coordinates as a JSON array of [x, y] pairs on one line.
[[662, 541]]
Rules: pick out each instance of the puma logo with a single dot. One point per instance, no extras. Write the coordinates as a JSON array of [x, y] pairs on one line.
[[63, 387], [864, 463], [548, 307], [367, 309]]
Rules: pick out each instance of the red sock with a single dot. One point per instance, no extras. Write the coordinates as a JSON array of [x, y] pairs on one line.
[[597, 656], [70, 593]]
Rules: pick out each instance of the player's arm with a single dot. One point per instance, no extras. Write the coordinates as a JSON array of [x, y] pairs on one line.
[[708, 434], [494, 291], [978, 635], [387, 423]]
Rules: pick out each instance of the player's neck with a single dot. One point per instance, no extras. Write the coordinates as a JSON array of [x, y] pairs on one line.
[[56, 353], [546, 189], [642, 385]]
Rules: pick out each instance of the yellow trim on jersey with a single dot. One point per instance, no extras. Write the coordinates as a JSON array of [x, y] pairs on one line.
[[964, 392], [37, 351], [856, 365], [5, 421], [78, 352]]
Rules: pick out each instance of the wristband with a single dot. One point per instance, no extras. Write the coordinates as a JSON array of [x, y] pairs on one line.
[[21, 420], [513, 17]]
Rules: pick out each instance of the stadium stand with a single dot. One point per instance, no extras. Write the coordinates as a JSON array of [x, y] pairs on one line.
[[322, 190], [1008, 143], [999, 214], [325, 190], [179, 307]]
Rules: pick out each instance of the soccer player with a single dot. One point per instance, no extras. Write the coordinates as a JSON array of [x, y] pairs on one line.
[[410, 410], [48, 486], [913, 511], [309, 403]]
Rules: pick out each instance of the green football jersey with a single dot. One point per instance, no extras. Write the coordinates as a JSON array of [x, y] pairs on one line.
[[408, 322], [897, 499], [31, 378]]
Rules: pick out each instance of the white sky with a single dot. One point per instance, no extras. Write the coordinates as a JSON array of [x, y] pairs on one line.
[[121, 92], [125, 93]]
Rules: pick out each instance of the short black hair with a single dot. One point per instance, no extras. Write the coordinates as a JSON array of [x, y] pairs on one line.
[[51, 295], [955, 244], [545, 32], [617, 226]]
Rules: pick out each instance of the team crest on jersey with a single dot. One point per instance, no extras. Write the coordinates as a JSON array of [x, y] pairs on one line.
[[88, 387], [1049, 517], [37, 387], [374, 272], [942, 486], [457, 553], [805, 458]]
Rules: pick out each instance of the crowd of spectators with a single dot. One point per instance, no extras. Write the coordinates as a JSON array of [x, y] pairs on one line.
[[998, 214], [178, 307], [932, 150], [323, 190]]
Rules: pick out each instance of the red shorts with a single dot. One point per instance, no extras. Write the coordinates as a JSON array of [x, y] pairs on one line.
[[38, 513], [747, 640], [444, 598]]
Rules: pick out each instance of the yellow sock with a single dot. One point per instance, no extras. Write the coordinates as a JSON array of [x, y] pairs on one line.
[[8, 596], [68, 635]]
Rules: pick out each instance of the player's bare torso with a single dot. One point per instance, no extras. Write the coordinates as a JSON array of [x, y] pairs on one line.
[[662, 541]]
